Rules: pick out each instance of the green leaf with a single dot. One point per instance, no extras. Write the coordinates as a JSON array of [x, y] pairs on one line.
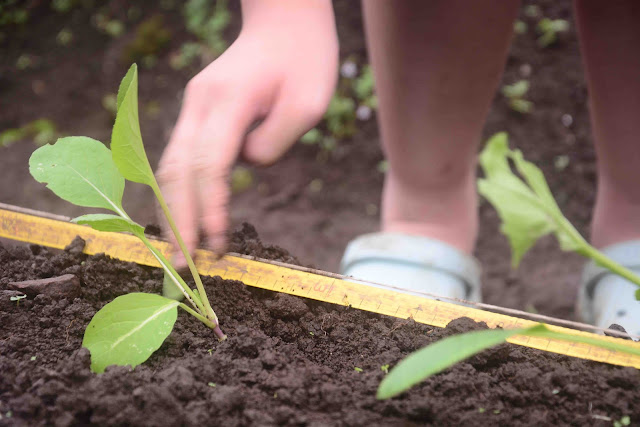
[[169, 288], [516, 90], [80, 170], [126, 140], [124, 85], [129, 329], [107, 222], [439, 356], [527, 208]]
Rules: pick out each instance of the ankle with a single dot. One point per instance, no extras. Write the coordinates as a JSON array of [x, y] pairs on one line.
[[445, 214], [616, 219]]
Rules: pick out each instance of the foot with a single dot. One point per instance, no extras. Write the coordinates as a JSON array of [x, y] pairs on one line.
[[606, 298], [414, 264]]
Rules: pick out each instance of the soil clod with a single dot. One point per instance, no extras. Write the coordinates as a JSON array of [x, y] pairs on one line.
[[65, 286]]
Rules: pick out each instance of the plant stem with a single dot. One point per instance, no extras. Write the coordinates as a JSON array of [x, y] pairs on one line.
[[606, 262], [173, 274], [216, 329], [192, 267]]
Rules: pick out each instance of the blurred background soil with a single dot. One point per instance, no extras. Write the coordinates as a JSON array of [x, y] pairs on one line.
[[61, 62]]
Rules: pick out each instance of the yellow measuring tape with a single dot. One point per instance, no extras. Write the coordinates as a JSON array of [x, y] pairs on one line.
[[308, 284]]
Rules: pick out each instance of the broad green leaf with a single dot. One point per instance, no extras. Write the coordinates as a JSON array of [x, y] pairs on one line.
[[527, 208], [437, 357], [129, 329], [107, 222], [81, 171], [126, 140], [124, 85]]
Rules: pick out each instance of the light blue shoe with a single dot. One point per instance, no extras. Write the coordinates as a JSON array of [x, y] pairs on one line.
[[413, 263], [606, 298]]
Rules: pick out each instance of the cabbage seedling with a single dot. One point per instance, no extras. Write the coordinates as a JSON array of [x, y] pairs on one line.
[[528, 212], [84, 172], [527, 208]]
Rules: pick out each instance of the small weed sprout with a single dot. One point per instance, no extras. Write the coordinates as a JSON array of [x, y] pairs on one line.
[[549, 30], [520, 27], [84, 172], [208, 23], [515, 94], [17, 299], [64, 37], [151, 36], [385, 368], [624, 421], [42, 131], [354, 99], [358, 369]]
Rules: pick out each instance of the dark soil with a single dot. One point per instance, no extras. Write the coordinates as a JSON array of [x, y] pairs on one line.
[[287, 361]]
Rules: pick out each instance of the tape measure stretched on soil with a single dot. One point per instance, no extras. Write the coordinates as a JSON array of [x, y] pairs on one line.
[[316, 285]]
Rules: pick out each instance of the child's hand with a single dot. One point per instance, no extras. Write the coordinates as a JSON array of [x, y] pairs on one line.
[[282, 70]]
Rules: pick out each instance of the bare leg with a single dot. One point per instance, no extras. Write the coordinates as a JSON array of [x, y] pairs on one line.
[[610, 38], [437, 64]]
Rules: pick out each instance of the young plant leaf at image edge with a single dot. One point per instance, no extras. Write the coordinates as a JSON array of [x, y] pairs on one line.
[[442, 354], [528, 210]]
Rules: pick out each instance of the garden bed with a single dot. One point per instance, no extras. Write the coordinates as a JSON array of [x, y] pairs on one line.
[[287, 361]]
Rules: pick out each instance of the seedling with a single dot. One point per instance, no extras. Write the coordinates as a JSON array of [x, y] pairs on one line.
[[208, 23], [520, 27], [187, 54], [340, 116], [385, 368], [64, 37], [151, 36], [43, 131], [549, 29], [442, 354], [84, 172], [528, 212], [357, 369], [515, 94], [17, 299], [624, 421], [527, 208]]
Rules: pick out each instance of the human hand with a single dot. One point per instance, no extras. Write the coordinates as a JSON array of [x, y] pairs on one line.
[[282, 70]]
